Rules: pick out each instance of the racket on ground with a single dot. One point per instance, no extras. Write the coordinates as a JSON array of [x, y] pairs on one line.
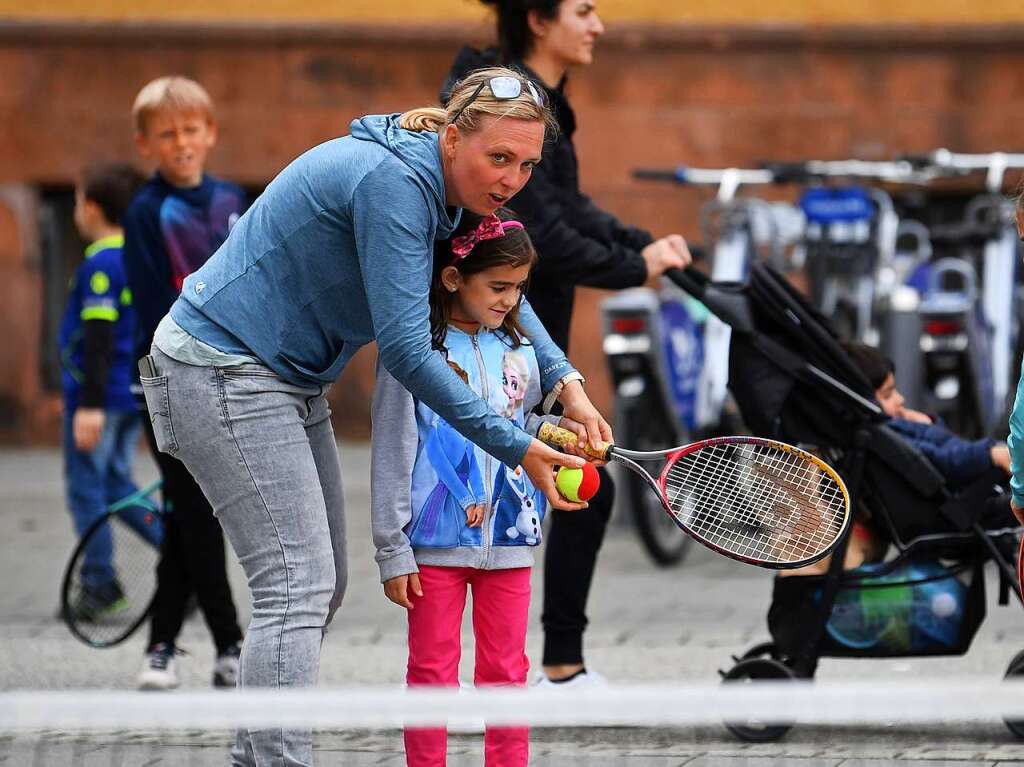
[[762, 502], [110, 579]]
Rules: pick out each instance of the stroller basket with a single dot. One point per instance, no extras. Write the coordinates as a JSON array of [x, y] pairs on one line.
[[921, 609]]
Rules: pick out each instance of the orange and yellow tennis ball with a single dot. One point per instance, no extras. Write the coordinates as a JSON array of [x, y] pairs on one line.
[[578, 485]]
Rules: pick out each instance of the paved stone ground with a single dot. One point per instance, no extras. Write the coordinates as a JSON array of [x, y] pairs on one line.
[[648, 624]]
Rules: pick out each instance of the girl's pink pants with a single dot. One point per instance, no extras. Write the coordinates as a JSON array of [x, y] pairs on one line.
[[501, 602]]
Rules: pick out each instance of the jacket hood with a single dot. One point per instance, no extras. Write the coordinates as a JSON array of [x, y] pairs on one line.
[[417, 149]]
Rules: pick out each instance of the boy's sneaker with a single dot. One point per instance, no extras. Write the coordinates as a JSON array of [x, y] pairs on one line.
[[95, 602], [158, 669], [225, 668], [581, 679]]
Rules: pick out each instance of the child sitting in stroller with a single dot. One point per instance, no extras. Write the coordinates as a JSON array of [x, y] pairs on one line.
[[960, 461]]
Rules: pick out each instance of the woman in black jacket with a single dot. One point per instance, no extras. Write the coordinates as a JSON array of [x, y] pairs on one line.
[[578, 244]]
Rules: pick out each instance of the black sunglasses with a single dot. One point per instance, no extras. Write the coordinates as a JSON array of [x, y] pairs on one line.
[[503, 88]]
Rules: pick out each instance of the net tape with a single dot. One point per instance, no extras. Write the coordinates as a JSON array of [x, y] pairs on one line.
[[861, 702]]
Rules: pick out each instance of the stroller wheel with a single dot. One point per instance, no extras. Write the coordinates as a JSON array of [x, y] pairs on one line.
[[1018, 660], [1016, 668], [761, 650], [757, 669]]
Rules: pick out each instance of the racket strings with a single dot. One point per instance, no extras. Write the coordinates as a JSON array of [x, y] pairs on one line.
[[782, 490], [743, 534], [735, 535], [757, 501], [796, 535]]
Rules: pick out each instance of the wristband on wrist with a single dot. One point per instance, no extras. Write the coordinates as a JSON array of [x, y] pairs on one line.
[[556, 391]]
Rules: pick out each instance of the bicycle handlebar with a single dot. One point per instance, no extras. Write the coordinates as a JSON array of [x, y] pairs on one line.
[[684, 174], [789, 172], [651, 174], [917, 160], [944, 159], [995, 164], [900, 171], [728, 180]]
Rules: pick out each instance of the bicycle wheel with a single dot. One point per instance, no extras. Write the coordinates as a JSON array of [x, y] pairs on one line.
[[661, 537], [110, 579]]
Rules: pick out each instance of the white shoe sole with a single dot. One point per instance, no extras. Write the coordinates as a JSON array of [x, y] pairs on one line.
[[153, 683]]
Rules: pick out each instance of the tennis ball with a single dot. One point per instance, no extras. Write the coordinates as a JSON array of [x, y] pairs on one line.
[[578, 485]]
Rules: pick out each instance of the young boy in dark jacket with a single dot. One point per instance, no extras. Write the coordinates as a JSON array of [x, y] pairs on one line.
[[174, 224]]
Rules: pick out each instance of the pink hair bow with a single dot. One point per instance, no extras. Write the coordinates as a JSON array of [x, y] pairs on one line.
[[489, 228]]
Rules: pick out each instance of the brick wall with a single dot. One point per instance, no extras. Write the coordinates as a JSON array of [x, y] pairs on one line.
[[876, 12], [657, 95]]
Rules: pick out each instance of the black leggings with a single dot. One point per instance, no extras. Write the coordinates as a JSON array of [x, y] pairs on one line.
[[573, 541], [192, 559]]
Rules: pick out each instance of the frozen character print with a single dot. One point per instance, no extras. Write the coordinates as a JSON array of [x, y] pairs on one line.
[[518, 512], [441, 522], [515, 377]]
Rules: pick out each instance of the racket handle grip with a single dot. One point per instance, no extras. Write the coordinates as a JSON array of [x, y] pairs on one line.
[[556, 436]]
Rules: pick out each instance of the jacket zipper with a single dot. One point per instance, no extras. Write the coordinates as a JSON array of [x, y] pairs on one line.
[[486, 534]]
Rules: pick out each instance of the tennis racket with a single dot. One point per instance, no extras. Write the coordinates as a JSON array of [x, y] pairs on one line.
[[110, 580], [755, 500]]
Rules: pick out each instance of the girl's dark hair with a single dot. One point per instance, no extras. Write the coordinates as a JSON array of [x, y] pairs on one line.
[[875, 366], [511, 249], [514, 35]]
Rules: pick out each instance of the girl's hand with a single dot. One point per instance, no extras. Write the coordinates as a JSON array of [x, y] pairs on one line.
[[578, 407], [475, 515], [580, 431], [540, 464], [397, 589]]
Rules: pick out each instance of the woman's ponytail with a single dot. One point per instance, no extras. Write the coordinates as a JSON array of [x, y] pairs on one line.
[[424, 119]]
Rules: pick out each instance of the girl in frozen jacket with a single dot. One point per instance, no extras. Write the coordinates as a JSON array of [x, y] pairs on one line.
[[429, 558]]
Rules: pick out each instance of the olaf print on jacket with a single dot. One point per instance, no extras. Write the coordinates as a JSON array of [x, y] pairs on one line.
[[518, 508]]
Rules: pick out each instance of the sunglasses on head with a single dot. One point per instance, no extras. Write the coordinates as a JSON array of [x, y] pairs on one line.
[[504, 88]]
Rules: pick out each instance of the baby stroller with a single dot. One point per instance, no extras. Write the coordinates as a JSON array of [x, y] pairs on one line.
[[793, 381]]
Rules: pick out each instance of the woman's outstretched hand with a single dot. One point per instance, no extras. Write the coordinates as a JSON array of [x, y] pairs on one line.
[[540, 464]]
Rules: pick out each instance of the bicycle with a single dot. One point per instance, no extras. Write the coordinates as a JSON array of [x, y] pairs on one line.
[[668, 357], [973, 343]]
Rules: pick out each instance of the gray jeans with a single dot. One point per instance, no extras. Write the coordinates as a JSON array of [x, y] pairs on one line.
[[263, 451]]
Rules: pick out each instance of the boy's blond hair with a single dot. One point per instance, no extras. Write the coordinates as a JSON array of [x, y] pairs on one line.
[[174, 93]]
